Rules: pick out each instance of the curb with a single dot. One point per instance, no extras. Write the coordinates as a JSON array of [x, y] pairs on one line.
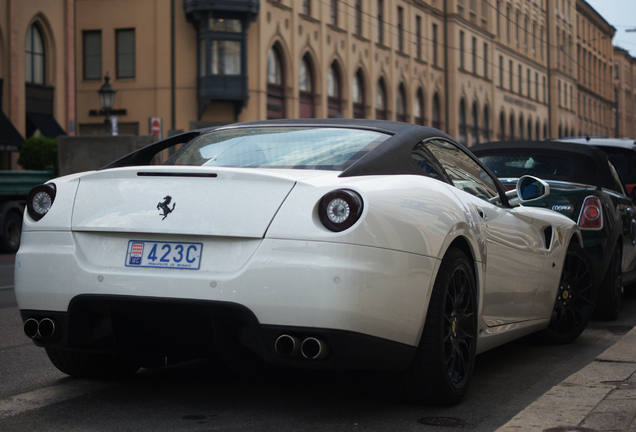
[[599, 397]]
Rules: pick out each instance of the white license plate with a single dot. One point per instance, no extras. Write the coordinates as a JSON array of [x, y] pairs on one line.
[[171, 255]]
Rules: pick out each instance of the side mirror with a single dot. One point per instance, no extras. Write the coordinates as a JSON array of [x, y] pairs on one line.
[[529, 188]]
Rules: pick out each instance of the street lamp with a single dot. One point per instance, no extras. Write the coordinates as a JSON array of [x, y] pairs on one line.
[[107, 101]]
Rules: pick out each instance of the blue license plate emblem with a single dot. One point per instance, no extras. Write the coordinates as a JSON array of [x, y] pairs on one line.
[[170, 255]]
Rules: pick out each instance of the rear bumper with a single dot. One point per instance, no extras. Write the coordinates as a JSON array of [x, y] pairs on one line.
[[360, 300], [152, 331]]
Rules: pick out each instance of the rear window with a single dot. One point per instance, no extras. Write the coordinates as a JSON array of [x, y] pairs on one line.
[[624, 161], [517, 165], [279, 147]]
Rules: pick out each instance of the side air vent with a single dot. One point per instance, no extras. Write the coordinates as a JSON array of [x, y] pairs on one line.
[[547, 235]]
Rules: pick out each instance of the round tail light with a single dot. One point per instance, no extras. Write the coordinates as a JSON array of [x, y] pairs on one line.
[[40, 200], [340, 209]]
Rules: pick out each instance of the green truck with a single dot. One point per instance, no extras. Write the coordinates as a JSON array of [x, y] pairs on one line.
[[14, 188]]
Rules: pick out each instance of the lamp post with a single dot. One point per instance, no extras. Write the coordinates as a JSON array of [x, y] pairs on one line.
[[107, 101]]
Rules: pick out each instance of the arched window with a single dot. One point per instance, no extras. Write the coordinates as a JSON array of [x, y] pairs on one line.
[[358, 95], [545, 130], [418, 108], [380, 101], [486, 125], [463, 132], [560, 131], [334, 92], [512, 126], [306, 87], [565, 132], [35, 56], [475, 117], [437, 112], [275, 85], [538, 130], [530, 128], [521, 126], [400, 104], [502, 126]]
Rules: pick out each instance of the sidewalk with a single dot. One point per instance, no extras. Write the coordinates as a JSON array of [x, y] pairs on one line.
[[599, 397]]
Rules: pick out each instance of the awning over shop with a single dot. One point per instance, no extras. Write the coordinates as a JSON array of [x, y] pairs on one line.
[[10, 138], [46, 124]]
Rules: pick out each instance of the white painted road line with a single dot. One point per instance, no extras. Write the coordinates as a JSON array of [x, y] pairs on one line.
[[44, 397]]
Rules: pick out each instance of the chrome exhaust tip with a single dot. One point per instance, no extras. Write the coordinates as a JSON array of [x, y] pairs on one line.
[[287, 345], [47, 329], [314, 349], [31, 328]]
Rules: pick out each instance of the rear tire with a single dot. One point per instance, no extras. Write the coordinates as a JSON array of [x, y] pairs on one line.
[[11, 232], [611, 290], [92, 366], [443, 364], [576, 298]]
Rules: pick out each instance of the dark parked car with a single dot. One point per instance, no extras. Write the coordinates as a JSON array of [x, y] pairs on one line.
[[622, 154], [584, 186]]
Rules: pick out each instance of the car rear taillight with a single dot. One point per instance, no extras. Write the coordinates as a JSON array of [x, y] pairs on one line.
[[591, 216], [40, 200], [340, 209]]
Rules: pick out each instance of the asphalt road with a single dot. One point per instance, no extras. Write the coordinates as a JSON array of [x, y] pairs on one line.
[[207, 396]]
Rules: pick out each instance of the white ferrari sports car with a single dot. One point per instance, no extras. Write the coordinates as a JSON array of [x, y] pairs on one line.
[[326, 244]]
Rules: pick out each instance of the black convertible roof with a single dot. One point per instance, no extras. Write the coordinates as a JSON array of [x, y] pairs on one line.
[[590, 165], [393, 156]]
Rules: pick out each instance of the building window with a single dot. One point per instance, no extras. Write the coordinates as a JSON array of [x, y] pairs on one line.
[[35, 56], [306, 88], [502, 126], [501, 71], [544, 89], [334, 94], [334, 12], [474, 47], [537, 130], [559, 93], [400, 28], [529, 83], [508, 21], [486, 123], [92, 54], [380, 101], [275, 85], [520, 79], [381, 22], [418, 108], [358, 95], [485, 60], [498, 19], [359, 17], [521, 126], [512, 126], [418, 37], [125, 53], [307, 7], [475, 118], [536, 89], [400, 104], [463, 132], [436, 112], [461, 50], [511, 74], [530, 129], [435, 44]]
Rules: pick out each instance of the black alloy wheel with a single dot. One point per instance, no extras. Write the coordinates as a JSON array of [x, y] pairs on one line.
[[611, 289], [576, 298], [441, 370]]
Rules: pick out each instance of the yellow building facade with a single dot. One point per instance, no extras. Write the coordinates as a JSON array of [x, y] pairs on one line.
[[624, 109]]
